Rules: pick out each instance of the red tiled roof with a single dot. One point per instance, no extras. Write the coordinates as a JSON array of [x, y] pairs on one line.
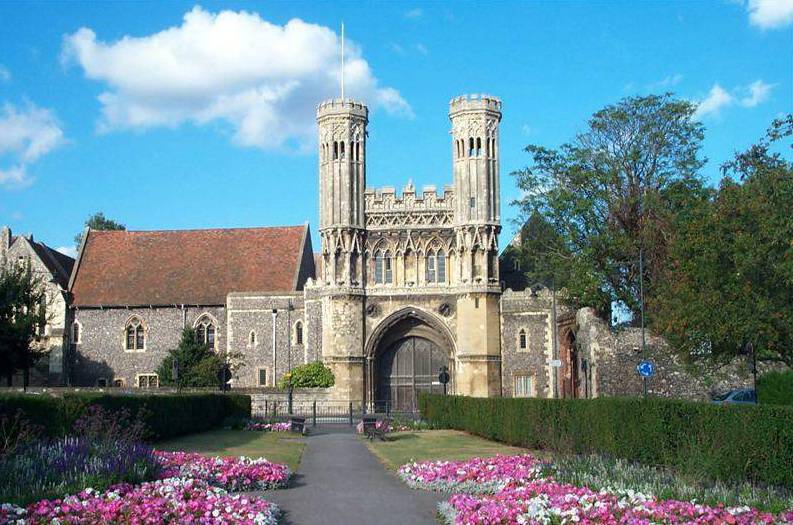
[[126, 268]]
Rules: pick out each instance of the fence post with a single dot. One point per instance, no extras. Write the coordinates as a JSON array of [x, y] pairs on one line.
[[350, 413], [314, 413]]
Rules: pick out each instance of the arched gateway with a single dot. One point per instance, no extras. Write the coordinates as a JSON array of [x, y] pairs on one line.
[[405, 354]]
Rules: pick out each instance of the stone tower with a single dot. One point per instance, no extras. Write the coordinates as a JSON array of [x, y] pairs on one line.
[[475, 121], [342, 179], [477, 223]]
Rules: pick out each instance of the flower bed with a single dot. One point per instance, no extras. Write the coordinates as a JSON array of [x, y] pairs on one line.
[[54, 468], [174, 500], [476, 476], [268, 427], [544, 501], [234, 474]]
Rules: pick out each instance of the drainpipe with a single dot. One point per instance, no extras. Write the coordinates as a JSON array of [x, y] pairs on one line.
[[275, 317]]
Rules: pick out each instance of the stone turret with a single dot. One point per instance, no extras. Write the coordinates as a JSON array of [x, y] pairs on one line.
[[342, 179], [475, 148], [475, 120]]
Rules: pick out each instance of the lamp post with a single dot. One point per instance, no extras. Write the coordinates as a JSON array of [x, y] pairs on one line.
[[641, 306]]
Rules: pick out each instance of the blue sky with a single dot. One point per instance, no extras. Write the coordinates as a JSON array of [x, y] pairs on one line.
[[170, 115]]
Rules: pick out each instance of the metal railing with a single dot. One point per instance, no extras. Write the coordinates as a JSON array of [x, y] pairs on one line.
[[328, 412]]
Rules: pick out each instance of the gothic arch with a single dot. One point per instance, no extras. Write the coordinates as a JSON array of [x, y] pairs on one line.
[[404, 354], [378, 335]]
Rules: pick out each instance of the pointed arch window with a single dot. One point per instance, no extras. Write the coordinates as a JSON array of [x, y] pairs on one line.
[[299, 333], [471, 147], [135, 335], [252, 338], [441, 266], [430, 267], [76, 332], [205, 331], [478, 147], [522, 339], [335, 151], [383, 273]]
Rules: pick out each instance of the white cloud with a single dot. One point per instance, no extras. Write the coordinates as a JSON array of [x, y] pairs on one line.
[[262, 79], [668, 81], [414, 13], [26, 135], [770, 14], [71, 251], [759, 92], [421, 48], [5, 74], [717, 99]]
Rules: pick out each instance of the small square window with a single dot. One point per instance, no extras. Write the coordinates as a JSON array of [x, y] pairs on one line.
[[262, 377], [472, 202]]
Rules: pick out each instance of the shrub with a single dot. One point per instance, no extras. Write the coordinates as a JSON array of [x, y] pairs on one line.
[[730, 443], [775, 388], [162, 416], [311, 375]]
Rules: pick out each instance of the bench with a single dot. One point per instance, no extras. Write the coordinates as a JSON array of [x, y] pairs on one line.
[[297, 424], [374, 431]]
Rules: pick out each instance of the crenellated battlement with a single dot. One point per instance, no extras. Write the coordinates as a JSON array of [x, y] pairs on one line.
[[386, 199], [337, 106], [474, 103]]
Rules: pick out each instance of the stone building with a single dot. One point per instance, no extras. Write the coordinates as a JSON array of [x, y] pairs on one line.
[[404, 284], [54, 269]]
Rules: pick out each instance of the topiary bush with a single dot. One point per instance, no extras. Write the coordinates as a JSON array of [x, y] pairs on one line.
[[311, 375], [730, 443], [775, 388]]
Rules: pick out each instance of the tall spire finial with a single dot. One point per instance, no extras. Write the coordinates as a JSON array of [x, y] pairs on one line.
[[342, 61]]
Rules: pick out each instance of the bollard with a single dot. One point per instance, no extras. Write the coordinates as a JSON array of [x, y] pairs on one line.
[[314, 413]]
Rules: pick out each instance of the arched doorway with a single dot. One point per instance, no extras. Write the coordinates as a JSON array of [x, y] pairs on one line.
[[408, 367], [405, 355], [568, 372]]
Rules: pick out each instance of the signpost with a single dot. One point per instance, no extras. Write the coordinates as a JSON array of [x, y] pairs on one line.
[[443, 378], [555, 363], [646, 368]]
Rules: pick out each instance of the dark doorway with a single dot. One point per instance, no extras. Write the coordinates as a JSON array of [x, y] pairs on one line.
[[569, 378], [409, 366]]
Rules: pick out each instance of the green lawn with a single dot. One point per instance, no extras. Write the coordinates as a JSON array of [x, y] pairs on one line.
[[404, 447], [278, 447]]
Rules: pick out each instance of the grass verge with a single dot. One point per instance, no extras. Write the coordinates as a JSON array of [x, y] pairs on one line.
[[279, 447], [404, 447]]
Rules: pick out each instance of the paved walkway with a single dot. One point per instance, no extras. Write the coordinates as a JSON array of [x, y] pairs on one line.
[[341, 482]]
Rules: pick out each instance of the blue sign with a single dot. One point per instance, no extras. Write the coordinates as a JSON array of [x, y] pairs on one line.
[[646, 368]]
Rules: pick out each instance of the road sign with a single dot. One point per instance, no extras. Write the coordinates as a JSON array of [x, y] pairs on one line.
[[443, 376], [556, 363], [646, 368]]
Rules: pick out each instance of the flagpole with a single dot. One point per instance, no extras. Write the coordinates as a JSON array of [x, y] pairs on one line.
[[342, 61]]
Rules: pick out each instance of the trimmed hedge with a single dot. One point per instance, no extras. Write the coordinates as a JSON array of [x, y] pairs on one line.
[[165, 416], [776, 388], [730, 443]]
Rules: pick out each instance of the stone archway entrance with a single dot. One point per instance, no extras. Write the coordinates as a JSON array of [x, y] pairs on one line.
[[410, 366], [405, 355]]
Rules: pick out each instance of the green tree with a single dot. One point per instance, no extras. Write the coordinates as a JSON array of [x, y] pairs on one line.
[[541, 257], [98, 221], [23, 303], [731, 280], [618, 187], [198, 366]]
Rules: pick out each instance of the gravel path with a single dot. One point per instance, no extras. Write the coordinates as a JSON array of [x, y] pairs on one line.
[[341, 482]]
